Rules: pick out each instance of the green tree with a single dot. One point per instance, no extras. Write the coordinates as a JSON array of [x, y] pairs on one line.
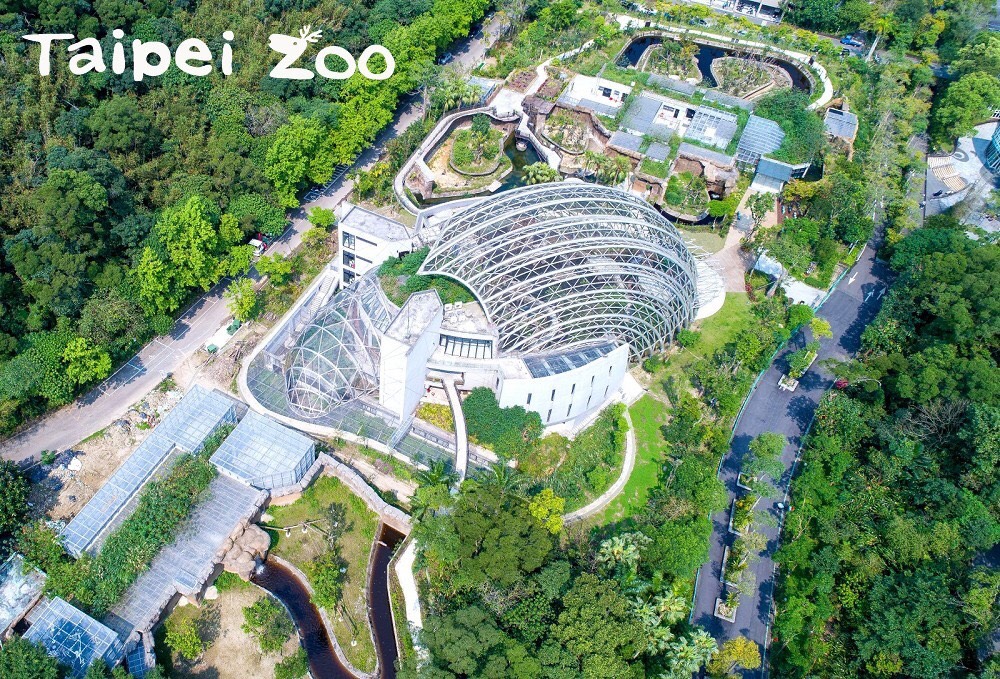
[[276, 267], [301, 151], [183, 639], [86, 363], [540, 173], [547, 507], [268, 622], [118, 125], [322, 218], [737, 653], [966, 102], [20, 659], [241, 299]]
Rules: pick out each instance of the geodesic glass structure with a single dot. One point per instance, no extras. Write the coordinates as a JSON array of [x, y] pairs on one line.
[[336, 359], [567, 264]]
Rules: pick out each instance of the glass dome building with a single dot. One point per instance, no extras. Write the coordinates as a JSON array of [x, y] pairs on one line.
[[560, 265]]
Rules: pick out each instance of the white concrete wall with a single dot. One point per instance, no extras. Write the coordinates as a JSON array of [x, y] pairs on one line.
[[403, 369], [369, 252], [576, 392]]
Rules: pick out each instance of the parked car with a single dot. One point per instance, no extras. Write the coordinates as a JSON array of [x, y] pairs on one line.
[[852, 41], [445, 58]]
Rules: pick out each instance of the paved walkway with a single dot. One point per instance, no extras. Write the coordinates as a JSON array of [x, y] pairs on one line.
[[461, 437], [164, 355], [849, 309], [628, 464]]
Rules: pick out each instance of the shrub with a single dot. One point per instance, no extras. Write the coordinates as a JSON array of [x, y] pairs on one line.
[[327, 579], [230, 582], [268, 622], [183, 639], [687, 338], [293, 667], [653, 363], [510, 432]]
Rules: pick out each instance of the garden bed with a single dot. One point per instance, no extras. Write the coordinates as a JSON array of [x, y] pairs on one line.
[[567, 131], [476, 155], [723, 611], [686, 193], [326, 503]]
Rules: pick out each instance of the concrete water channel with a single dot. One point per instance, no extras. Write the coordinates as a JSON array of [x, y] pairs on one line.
[[324, 659]]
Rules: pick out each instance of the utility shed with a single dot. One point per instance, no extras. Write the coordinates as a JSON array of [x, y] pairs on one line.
[[265, 454], [74, 638], [184, 430]]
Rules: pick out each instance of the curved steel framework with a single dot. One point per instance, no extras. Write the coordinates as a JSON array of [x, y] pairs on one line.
[[336, 359], [564, 264]]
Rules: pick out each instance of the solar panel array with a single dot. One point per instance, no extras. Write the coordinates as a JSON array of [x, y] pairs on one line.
[[264, 453], [760, 137], [184, 429], [553, 364], [73, 637]]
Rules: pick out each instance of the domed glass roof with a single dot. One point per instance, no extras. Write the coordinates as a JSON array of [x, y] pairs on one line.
[[336, 359], [565, 264]]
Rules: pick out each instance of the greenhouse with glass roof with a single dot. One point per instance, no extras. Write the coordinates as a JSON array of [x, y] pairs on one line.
[[564, 286]]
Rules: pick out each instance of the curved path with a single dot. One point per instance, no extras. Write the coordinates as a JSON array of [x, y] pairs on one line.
[[628, 464]]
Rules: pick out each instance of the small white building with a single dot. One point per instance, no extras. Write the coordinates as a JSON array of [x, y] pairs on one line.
[[366, 240]]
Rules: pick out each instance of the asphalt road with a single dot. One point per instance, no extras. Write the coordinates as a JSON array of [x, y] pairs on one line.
[[107, 402], [849, 309]]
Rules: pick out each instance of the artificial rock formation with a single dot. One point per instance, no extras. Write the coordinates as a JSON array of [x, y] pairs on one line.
[[246, 551]]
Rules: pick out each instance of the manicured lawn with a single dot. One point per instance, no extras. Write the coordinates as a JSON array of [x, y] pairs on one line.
[[716, 331], [350, 620], [648, 415], [709, 241]]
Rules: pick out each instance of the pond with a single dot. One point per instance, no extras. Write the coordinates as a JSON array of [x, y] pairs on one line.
[[323, 660], [705, 56], [519, 160]]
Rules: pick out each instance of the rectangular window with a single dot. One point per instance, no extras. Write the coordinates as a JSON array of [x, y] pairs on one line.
[[573, 390], [606, 391], [529, 399], [348, 260], [549, 416], [588, 400], [569, 409], [591, 381], [349, 241], [553, 395]]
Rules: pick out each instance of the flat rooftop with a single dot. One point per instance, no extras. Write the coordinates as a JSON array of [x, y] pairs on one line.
[[186, 564], [183, 430], [360, 220], [466, 317], [415, 317], [73, 637]]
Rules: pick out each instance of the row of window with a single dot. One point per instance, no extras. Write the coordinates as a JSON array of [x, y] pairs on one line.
[[465, 347], [569, 410]]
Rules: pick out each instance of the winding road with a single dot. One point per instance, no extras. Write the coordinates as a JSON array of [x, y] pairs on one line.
[[165, 355], [849, 308]]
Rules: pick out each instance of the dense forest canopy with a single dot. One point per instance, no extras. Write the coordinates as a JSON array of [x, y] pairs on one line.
[[119, 200]]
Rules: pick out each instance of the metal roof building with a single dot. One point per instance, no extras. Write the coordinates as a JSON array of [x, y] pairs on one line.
[[265, 454], [760, 137], [184, 430], [842, 124], [73, 637]]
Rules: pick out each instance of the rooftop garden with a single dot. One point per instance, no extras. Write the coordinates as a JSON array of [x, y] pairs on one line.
[[804, 135], [399, 280]]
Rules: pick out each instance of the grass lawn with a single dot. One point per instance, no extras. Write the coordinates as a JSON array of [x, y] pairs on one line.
[[648, 415], [716, 331], [710, 241], [350, 620]]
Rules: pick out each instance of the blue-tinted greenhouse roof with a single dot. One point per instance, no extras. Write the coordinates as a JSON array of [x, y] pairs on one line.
[[73, 637]]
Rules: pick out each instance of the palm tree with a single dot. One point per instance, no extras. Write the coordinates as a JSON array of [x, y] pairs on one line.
[[670, 607], [438, 473], [504, 478]]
